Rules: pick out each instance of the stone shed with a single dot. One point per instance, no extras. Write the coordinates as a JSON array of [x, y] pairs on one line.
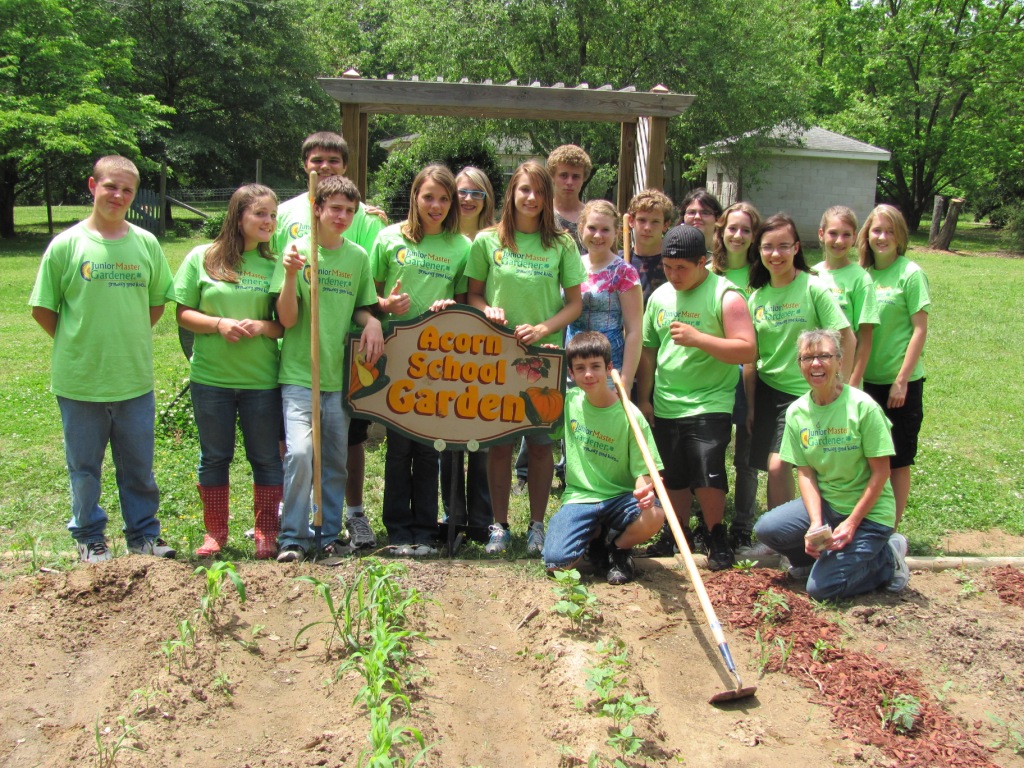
[[805, 172]]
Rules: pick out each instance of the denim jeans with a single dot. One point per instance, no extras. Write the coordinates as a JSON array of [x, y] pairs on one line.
[[864, 564], [574, 525], [257, 412], [127, 425], [410, 491], [298, 464]]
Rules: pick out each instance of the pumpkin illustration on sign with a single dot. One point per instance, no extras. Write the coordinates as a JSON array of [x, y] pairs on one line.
[[532, 368], [366, 379], [543, 404]]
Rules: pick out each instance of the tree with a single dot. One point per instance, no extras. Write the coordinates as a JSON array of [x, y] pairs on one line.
[[936, 82], [64, 95]]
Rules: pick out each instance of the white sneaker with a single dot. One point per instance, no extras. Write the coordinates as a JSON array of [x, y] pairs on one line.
[[499, 539], [901, 571], [422, 550], [360, 533], [535, 538], [93, 552], [154, 547]]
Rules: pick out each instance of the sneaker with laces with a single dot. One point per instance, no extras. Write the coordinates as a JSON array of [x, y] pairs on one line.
[[620, 566], [901, 571], [498, 539], [336, 548], [154, 547], [535, 538], [739, 539], [755, 550], [666, 545], [720, 555], [422, 550], [360, 533], [93, 552], [291, 553]]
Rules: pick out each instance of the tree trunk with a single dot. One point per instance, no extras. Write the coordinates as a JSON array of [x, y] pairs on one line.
[[8, 180], [945, 237], [937, 211]]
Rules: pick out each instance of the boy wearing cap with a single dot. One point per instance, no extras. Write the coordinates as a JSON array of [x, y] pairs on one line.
[[696, 331]]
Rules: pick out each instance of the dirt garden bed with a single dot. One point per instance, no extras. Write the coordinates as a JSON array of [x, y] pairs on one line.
[[502, 681]]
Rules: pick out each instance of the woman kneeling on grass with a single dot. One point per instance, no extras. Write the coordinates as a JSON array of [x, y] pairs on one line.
[[838, 438], [223, 296]]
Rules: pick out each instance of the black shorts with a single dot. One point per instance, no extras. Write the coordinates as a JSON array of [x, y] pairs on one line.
[[358, 431], [693, 450], [770, 407], [906, 420]]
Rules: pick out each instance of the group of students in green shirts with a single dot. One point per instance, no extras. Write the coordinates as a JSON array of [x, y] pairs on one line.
[[722, 293]]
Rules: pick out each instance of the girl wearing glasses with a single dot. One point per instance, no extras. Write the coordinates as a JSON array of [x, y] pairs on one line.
[[701, 209], [476, 201], [894, 375], [518, 272], [839, 440], [784, 301]]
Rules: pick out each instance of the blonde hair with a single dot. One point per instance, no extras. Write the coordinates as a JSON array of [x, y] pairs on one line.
[[841, 212], [413, 227], [540, 180], [479, 179], [719, 253], [899, 230], [601, 208], [224, 255], [110, 163]]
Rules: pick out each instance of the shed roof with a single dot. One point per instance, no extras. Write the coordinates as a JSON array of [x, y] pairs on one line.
[[814, 142]]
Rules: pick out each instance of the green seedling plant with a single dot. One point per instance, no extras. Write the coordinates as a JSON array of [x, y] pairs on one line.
[[222, 684], [179, 647], [1012, 739], [764, 653], [146, 698], [785, 649], [968, 587], [745, 566], [820, 648], [252, 644], [899, 712], [575, 601], [111, 742], [770, 606], [607, 681], [215, 576]]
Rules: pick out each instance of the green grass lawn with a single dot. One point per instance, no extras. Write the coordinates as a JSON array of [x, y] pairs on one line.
[[969, 475]]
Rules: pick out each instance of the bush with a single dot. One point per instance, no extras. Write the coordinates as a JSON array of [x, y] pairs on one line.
[[212, 224], [393, 182], [1014, 222]]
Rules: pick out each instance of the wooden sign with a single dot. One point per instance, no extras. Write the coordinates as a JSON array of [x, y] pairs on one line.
[[453, 379]]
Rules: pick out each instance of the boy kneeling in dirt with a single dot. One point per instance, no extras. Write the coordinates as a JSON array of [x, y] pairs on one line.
[[608, 506]]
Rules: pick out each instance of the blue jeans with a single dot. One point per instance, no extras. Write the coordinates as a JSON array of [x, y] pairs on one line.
[[127, 425], [863, 565], [410, 491], [573, 526], [257, 410], [298, 464]]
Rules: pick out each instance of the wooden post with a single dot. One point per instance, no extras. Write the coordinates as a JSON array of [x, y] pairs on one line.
[[627, 159], [656, 149], [945, 237], [352, 129], [940, 204]]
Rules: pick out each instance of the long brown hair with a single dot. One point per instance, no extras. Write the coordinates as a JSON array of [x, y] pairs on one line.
[[225, 253], [719, 253], [413, 228], [540, 180], [759, 274]]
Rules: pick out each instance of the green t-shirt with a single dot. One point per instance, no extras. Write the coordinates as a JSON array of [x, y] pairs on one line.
[[901, 290], [246, 363], [527, 282], [836, 440], [429, 270], [854, 291], [602, 459], [345, 285], [102, 291], [293, 224], [780, 315], [688, 381], [740, 278]]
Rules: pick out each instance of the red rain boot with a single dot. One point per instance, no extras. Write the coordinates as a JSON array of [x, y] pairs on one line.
[[215, 517], [266, 500]]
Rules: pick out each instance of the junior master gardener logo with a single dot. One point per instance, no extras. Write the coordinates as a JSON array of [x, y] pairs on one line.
[[86, 271]]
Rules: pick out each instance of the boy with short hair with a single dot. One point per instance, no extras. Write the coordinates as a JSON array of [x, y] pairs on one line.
[[570, 168], [608, 506], [346, 293], [326, 153], [100, 289], [697, 330], [649, 216]]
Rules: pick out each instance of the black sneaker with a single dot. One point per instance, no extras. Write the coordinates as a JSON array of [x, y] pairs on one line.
[[700, 540], [720, 554], [291, 553], [597, 554], [620, 568], [336, 549], [739, 540]]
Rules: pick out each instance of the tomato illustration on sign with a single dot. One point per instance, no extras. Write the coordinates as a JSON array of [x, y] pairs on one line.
[[532, 368]]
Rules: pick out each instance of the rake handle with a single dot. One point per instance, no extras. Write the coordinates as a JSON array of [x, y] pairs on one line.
[[314, 350]]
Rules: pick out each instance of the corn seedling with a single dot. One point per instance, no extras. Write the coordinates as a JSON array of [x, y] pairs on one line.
[[222, 684], [820, 648], [179, 646], [968, 587], [252, 644], [785, 649], [110, 742], [1013, 739], [575, 601], [745, 566], [770, 606], [764, 653], [146, 698], [215, 576], [899, 712]]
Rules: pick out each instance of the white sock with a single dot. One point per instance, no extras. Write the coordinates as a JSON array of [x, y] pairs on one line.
[[350, 511]]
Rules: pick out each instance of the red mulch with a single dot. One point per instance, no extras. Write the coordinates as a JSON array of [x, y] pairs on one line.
[[849, 683], [1009, 583]]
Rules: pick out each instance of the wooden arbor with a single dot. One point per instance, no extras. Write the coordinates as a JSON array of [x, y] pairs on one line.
[[360, 97]]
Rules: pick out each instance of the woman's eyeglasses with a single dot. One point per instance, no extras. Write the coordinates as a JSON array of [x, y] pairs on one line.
[[804, 359], [472, 194]]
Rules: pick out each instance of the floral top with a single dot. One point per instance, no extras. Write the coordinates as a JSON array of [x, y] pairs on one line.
[[601, 308]]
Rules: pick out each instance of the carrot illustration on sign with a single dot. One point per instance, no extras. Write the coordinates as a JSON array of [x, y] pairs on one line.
[[543, 404], [532, 368]]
